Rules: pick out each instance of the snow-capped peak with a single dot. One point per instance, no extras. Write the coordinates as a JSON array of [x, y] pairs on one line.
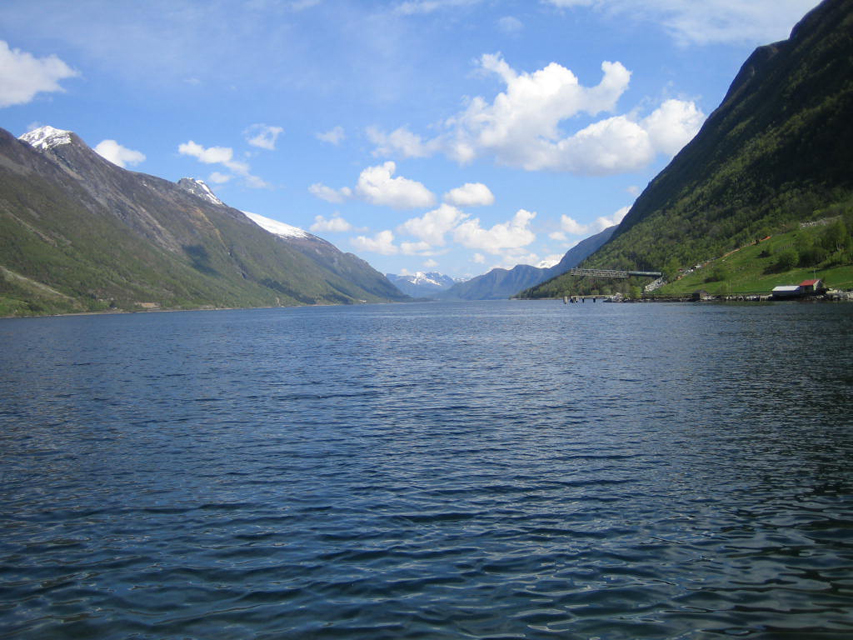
[[277, 228], [432, 277], [200, 189], [429, 279], [46, 137], [422, 278]]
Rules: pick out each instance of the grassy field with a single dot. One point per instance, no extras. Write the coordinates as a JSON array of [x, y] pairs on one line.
[[757, 268]]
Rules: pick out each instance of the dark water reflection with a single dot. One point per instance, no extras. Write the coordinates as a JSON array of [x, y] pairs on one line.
[[506, 470]]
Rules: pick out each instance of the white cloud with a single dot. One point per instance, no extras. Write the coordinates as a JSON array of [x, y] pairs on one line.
[[119, 155], [513, 259], [335, 196], [565, 4], [430, 264], [219, 178], [707, 22], [22, 75], [614, 145], [415, 7], [263, 136], [510, 25], [225, 157], [730, 21], [521, 126], [603, 222], [333, 136], [302, 5], [570, 244], [508, 235], [335, 224], [382, 243], [255, 182], [377, 186], [211, 155], [470, 194], [433, 225], [571, 226], [401, 142], [416, 249], [673, 125]]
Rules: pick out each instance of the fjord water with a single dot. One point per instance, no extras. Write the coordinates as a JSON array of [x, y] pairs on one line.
[[482, 470]]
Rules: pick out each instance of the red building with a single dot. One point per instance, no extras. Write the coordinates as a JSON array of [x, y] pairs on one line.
[[812, 286]]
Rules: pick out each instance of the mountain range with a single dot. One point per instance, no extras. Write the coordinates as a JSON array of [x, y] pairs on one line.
[[777, 152], [78, 233], [422, 284], [505, 283], [498, 283]]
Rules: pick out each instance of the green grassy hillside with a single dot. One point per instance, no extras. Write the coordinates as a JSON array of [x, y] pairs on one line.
[[823, 250], [777, 152]]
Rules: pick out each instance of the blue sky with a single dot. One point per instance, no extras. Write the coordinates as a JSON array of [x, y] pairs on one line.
[[421, 135]]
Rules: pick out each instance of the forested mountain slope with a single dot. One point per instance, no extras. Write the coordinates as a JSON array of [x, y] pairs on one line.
[[776, 152]]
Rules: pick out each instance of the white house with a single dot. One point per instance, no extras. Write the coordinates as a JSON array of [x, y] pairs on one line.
[[787, 291]]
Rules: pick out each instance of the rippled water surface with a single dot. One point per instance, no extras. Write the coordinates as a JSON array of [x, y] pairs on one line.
[[484, 470]]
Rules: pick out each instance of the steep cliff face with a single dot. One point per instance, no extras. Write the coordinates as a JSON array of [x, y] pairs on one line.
[[78, 233], [777, 150]]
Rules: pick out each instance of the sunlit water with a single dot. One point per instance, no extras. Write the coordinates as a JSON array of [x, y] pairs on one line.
[[484, 470]]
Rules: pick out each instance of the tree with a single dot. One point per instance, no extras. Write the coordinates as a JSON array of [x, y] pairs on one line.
[[836, 236], [811, 253], [719, 273], [786, 260], [671, 269]]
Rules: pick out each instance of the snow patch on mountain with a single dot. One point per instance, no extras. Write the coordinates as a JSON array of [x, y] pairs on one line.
[[431, 278], [46, 138], [277, 228], [421, 284], [199, 188]]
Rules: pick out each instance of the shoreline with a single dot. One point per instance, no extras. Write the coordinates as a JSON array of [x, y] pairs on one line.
[[833, 297], [837, 296]]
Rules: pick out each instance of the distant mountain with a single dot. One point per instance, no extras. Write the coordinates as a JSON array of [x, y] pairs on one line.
[[581, 251], [497, 284], [504, 283], [78, 233], [421, 284], [327, 256], [200, 189], [776, 152]]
